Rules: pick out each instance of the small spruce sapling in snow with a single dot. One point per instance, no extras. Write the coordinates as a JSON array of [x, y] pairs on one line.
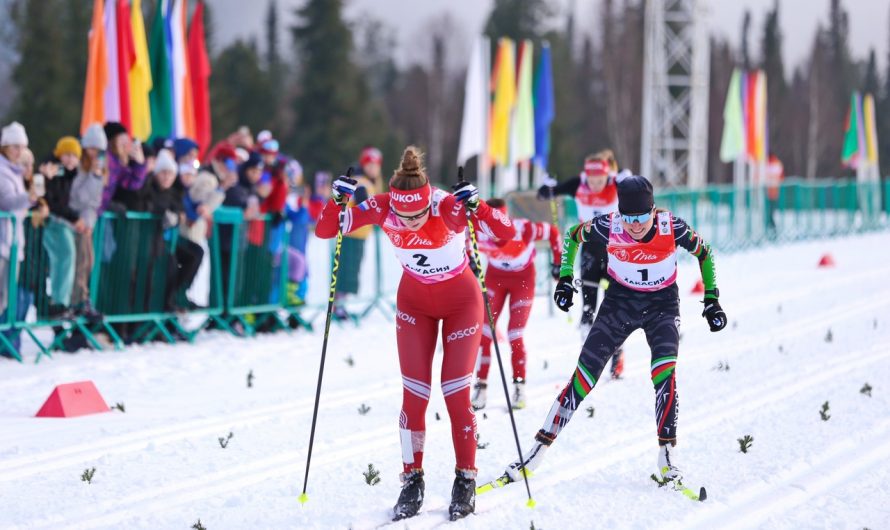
[[722, 367], [438, 417], [824, 412], [875, 324], [545, 364], [480, 445], [364, 409], [198, 526], [828, 336], [350, 361], [87, 475], [120, 407], [484, 416], [866, 389], [745, 443], [590, 411], [250, 379], [779, 309], [372, 476], [224, 442]]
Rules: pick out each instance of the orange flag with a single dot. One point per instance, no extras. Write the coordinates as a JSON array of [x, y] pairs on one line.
[[97, 71]]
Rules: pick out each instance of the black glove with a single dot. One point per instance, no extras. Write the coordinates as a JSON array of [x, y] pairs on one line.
[[563, 293], [343, 188], [554, 270], [546, 190], [466, 193], [714, 314]]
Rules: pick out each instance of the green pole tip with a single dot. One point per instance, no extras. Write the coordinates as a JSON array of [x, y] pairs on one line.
[[531, 503], [303, 498]]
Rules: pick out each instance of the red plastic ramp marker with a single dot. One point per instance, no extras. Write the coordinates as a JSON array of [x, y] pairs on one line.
[[73, 399], [698, 288], [827, 260]]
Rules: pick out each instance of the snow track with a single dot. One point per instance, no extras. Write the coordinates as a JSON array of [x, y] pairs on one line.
[[159, 466]]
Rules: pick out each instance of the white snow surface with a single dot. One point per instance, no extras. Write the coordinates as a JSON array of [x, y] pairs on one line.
[[159, 465]]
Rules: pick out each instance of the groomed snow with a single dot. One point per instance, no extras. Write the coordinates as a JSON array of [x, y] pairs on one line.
[[160, 465]]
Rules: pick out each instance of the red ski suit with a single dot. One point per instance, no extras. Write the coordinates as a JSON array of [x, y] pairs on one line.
[[437, 285], [511, 271]]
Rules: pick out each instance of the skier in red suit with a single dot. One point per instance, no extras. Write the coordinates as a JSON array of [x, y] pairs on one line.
[[511, 271], [427, 227]]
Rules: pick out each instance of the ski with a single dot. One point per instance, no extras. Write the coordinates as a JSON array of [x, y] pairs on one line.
[[701, 496], [499, 482]]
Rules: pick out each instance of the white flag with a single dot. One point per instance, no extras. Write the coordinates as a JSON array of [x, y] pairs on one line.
[[474, 128]]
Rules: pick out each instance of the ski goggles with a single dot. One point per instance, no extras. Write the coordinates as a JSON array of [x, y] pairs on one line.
[[411, 217], [638, 218]]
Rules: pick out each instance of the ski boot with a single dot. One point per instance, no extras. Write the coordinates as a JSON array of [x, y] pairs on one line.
[[532, 459], [479, 395], [518, 393], [618, 364], [411, 497], [463, 495], [667, 468]]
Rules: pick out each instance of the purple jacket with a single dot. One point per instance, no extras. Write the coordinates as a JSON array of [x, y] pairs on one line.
[[130, 177]]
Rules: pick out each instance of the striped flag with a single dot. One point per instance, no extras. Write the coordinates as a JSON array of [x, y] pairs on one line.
[[97, 71]]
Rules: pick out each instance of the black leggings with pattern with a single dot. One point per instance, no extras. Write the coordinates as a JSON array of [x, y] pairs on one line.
[[622, 312]]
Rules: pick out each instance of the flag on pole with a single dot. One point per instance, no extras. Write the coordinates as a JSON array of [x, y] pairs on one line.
[[126, 59], [180, 68], [871, 131], [188, 102], [113, 88], [732, 144], [854, 145], [760, 109], [474, 127], [140, 76], [97, 71], [199, 69], [504, 85], [545, 107], [161, 95], [524, 117]]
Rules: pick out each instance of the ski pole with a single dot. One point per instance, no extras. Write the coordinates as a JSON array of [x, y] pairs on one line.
[[480, 275], [324, 347]]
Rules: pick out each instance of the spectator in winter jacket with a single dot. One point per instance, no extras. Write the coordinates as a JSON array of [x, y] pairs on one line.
[[88, 191], [58, 234], [166, 200], [126, 163], [353, 249], [13, 199]]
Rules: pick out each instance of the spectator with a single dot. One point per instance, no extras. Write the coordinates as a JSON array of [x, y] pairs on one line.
[[13, 199], [353, 249], [186, 152], [166, 201], [126, 163], [201, 198], [88, 193], [775, 174], [64, 222], [298, 212]]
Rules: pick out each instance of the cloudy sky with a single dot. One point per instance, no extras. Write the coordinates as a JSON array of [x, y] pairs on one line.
[[869, 20]]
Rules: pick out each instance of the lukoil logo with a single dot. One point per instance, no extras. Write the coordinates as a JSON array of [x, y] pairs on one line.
[[405, 317], [406, 197], [462, 333]]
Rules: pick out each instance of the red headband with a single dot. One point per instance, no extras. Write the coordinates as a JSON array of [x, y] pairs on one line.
[[369, 155], [595, 168], [410, 200]]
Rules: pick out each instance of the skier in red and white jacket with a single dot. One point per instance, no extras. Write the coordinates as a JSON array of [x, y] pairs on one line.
[[511, 272], [427, 227]]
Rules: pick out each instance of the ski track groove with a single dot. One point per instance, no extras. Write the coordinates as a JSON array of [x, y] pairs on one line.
[[164, 498], [18, 468]]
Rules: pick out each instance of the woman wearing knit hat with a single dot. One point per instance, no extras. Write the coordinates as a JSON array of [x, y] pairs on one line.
[[13, 199], [64, 221], [642, 244], [126, 163], [427, 226]]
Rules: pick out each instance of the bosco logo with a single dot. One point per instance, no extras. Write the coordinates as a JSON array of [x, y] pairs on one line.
[[462, 333]]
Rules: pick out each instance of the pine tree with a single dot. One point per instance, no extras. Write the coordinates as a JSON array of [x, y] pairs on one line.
[[883, 121], [517, 19], [43, 76], [332, 107], [746, 30], [870, 82], [777, 89], [241, 92]]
